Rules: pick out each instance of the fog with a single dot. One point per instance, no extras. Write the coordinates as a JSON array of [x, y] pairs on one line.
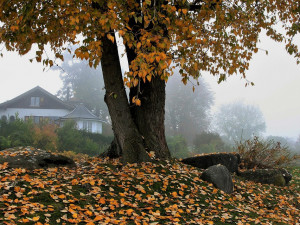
[[276, 91]]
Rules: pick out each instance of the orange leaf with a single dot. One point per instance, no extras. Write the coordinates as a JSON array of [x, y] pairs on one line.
[[97, 218], [3, 166], [174, 194], [149, 78], [110, 37], [61, 196], [102, 200], [90, 223], [135, 82], [138, 102], [129, 211], [36, 218]]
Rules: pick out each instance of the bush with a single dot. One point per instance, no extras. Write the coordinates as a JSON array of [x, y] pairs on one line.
[[50, 137], [257, 153], [79, 141], [178, 146], [4, 143], [208, 142], [16, 133], [45, 136]]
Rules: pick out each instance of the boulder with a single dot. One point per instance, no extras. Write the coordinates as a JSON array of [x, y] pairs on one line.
[[220, 177], [31, 158], [278, 177], [286, 175], [230, 160]]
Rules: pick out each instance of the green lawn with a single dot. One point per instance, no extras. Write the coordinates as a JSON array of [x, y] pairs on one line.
[[103, 192]]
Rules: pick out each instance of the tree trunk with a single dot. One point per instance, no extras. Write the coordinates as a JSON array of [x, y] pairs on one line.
[[150, 116], [126, 133]]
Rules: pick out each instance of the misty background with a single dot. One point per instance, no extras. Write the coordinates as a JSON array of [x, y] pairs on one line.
[[212, 118]]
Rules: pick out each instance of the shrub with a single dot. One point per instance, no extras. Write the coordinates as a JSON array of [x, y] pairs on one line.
[[4, 143], [45, 136], [16, 133], [208, 142], [79, 141], [257, 153], [178, 146]]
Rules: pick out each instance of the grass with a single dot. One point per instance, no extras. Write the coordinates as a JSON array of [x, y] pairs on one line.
[[100, 191]]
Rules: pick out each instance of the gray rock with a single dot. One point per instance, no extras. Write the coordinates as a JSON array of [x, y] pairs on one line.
[[286, 175], [278, 177], [220, 177], [230, 160], [30, 158]]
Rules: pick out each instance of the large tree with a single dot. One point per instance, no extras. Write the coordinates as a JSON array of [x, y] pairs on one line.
[[238, 121], [217, 36]]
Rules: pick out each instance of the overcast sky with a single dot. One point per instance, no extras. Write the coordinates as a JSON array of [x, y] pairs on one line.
[[276, 90]]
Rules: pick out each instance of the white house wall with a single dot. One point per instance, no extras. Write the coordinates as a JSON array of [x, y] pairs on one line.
[[33, 112], [96, 126], [79, 124]]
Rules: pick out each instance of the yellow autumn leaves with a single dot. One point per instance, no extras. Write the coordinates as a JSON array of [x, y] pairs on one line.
[[165, 193]]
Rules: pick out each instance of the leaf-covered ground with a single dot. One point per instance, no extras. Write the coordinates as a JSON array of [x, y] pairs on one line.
[[103, 192]]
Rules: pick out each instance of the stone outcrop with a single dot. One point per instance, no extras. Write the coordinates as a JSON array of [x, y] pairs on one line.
[[220, 177], [230, 160], [31, 158], [278, 177]]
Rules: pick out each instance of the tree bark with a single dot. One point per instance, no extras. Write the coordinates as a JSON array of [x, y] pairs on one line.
[[126, 133], [150, 116]]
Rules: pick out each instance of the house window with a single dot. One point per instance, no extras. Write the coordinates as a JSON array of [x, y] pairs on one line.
[[90, 126], [36, 119], [84, 125], [87, 125], [12, 119], [35, 101], [54, 119], [4, 118]]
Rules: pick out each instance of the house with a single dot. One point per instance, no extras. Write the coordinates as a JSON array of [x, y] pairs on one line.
[[40, 105], [84, 119]]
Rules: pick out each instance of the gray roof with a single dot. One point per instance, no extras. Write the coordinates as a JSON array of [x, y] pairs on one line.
[[60, 103], [81, 112]]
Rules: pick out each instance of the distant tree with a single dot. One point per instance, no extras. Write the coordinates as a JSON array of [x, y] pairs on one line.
[[187, 112], [284, 141], [207, 142], [239, 121], [84, 84], [297, 145], [178, 146]]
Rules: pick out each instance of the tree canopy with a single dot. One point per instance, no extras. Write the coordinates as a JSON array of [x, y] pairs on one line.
[[217, 36]]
